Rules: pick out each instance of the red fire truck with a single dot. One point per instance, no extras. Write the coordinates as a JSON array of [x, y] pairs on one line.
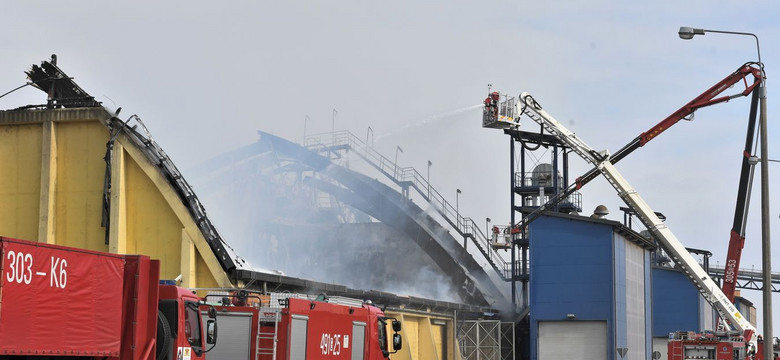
[[61, 303], [718, 345], [724, 345], [284, 326]]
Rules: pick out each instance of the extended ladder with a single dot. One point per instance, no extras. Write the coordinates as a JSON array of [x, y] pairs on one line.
[[266, 339], [706, 286]]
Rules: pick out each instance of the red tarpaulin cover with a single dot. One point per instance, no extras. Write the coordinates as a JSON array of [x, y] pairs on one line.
[[56, 300]]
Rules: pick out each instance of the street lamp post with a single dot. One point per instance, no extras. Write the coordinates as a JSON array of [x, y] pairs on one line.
[[333, 127], [429, 180], [369, 130], [766, 252], [457, 216], [305, 121], [457, 212], [487, 228], [688, 33], [395, 163]]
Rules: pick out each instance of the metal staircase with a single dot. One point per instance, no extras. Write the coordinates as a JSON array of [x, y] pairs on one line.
[[409, 177]]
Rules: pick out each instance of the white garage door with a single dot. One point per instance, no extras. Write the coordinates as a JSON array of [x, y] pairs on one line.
[[572, 340]]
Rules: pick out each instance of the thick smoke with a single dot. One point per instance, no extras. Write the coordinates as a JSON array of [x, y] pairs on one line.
[[265, 208]]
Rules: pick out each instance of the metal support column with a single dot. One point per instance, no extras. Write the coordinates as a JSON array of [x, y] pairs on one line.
[[513, 265], [554, 176]]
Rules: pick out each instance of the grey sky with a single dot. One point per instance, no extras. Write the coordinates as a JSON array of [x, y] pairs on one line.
[[205, 76]]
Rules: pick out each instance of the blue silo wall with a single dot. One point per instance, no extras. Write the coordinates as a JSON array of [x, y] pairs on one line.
[[675, 303], [571, 272], [572, 269]]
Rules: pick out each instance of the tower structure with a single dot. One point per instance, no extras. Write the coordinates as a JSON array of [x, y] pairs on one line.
[[539, 170]]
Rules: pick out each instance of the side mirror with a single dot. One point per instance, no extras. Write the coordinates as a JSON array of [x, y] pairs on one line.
[[397, 342], [212, 312], [396, 325], [211, 332]]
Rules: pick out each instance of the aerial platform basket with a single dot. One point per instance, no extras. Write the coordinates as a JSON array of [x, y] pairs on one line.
[[500, 112]]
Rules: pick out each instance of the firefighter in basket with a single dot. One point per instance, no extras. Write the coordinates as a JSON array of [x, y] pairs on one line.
[[491, 104]]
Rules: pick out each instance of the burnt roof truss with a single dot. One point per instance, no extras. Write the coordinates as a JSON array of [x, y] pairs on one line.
[[61, 91]]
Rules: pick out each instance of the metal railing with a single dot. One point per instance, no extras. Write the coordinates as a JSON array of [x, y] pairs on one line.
[[747, 278], [410, 177]]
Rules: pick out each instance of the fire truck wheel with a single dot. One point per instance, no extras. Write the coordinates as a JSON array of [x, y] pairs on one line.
[[163, 336]]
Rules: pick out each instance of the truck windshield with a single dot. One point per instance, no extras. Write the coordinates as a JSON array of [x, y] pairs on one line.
[[382, 329], [192, 324]]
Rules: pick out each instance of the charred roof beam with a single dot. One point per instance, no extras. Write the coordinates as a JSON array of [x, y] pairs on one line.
[[60, 89]]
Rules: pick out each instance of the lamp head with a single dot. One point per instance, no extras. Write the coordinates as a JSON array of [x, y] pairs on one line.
[[687, 33]]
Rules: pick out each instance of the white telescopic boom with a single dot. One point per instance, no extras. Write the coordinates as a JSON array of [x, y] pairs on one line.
[[706, 286]]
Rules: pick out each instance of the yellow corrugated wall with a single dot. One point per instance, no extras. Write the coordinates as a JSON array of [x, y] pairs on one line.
[[203, 278], [429, 337], [439, 343], [160, 224], [79, 184], [20, 179], [52, 172]]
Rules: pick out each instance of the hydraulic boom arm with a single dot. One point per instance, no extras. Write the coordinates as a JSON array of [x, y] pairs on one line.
[[604, 165], [528, 106], [737, 234]]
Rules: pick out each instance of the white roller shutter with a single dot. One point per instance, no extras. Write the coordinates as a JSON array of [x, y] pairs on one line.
[[297, 341], [234, 340], [572, 340]]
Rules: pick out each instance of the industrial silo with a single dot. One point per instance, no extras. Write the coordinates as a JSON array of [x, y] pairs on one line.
[[590, 289]]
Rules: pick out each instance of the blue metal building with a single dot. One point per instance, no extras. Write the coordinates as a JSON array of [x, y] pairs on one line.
[[590, 289], [746, 307], [677, 306]]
